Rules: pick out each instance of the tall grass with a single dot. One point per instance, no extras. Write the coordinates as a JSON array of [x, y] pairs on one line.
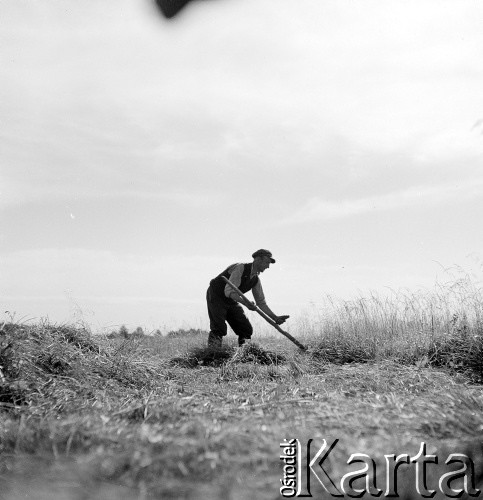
[[441, 327]]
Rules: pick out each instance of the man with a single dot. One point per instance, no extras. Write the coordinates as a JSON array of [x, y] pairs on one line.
[[224, 303]]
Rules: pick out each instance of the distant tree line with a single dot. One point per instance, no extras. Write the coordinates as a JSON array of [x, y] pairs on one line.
[[181, 332], [124, 333]]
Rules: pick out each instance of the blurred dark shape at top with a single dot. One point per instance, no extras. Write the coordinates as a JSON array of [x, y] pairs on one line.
[[170, 8]]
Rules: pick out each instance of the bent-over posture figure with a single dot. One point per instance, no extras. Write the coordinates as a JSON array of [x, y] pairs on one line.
[[224, 303]]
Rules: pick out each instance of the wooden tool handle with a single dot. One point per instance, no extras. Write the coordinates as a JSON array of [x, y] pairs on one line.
[[265, 316]]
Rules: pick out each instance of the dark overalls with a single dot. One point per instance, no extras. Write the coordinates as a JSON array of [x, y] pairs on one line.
[[222, 309]]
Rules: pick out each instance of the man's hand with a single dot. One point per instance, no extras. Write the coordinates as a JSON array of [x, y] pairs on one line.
[[281, 319]]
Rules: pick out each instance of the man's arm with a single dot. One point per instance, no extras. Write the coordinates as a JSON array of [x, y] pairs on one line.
[[259, 297]]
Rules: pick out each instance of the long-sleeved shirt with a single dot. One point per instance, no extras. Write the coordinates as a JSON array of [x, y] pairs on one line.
[[236, 272]]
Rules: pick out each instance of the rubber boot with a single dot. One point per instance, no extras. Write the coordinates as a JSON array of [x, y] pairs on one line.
[[214, 341]]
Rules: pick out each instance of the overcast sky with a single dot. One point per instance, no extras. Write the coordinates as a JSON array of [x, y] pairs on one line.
[[140, 156]]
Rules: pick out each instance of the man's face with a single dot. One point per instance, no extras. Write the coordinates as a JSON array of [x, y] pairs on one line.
[[264, 263]]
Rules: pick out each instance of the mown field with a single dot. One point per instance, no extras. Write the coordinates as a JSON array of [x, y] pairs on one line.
[[89, 417]]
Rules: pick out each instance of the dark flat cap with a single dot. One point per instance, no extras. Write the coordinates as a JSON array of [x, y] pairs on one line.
[[264, 253]]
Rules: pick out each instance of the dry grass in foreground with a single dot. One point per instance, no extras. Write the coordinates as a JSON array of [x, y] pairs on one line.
[[148, 418]]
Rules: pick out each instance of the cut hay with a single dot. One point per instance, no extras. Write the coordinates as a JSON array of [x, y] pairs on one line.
[[13, 394], [210, 356], [253, 353], [341, 351], [204, 356], [60, 357]]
